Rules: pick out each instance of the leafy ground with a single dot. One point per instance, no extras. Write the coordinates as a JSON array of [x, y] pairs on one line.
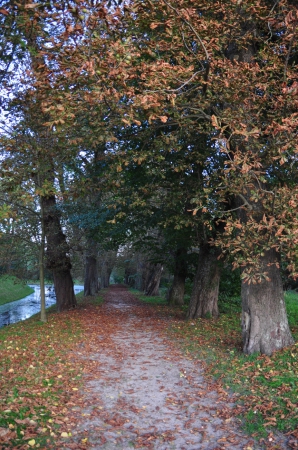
[[266, 387], [58, 381], [11, 289]]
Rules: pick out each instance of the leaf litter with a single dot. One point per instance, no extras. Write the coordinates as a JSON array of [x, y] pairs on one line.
[[110, 377], [141, 392]]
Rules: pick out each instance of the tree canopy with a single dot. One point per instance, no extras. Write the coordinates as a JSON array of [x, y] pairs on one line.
[[177, 116]]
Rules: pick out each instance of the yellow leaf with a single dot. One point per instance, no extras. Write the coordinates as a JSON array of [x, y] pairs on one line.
[[64, 434], [32, 442], [75, 389], [84, 440]]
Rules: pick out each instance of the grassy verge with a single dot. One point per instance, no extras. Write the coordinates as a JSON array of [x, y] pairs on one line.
[[39, 377], [266, 387], [154, 300], [11, 289]]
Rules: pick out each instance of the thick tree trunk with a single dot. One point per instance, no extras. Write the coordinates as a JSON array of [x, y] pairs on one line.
[[91, 285], [204, 296], [57, 259], [153, 280], [43, 315], [64, 290], [264, 319], [176, 292]]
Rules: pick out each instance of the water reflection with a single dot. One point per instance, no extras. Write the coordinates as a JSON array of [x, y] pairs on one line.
[[23, 309]]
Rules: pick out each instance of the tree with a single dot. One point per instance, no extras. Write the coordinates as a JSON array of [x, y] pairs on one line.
[[204, 295], [223, 72], [243, 115], [177, 289]]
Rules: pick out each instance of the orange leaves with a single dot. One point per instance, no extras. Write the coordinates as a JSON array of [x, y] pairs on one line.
[[292, 17], [32, 5], [163, 119], [214, 121], [35, 378], [280, 230]]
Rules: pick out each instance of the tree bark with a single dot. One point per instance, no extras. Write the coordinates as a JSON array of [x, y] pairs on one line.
[[57, 259], [91, 284], [264, 321], [177, 290], [107, 264], [43, 315], [105, 275], [140, 267], [204, 296], [153, 280]]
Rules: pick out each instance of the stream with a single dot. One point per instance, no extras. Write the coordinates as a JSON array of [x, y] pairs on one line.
[[28, 306]]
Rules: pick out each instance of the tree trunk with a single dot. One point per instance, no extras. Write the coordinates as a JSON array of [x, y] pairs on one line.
[[107, 264], [176, 292], [57, 259], [105, 275], [204, 296], [91, 284], [264, 321], [140, 267], [64, 289], [43, 316], [153, 280]]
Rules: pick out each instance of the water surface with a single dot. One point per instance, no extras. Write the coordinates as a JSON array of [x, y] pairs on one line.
[[28, 306]]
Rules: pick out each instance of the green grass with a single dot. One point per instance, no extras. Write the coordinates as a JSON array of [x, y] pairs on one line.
[[11, 289], [291, 298], [154, 300], [266, 387], [38, 376]]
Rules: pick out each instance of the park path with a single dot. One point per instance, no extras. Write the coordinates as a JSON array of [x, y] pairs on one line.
[[141, 392]]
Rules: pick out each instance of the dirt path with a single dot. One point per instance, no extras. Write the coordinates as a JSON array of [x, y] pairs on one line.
[[141, 392]]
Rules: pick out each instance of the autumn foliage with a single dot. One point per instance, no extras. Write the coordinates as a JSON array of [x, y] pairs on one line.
[[201, 96]]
